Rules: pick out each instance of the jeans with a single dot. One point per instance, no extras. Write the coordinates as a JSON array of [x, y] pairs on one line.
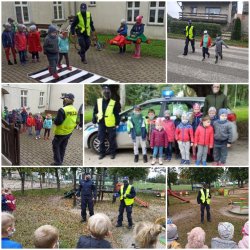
[[204, 52], [184, 148], [169, 151], [7, 52], [22, 56], [84, 43], [202, 153], [220, 153], [53, 60], [156, 150], [47, 131], [202, 207], [186, 45], [87, 202], [66, 56], [38, 132], [129, 213]]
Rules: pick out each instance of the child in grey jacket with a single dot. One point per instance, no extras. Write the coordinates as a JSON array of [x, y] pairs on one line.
[[218, 47], [223, 134]]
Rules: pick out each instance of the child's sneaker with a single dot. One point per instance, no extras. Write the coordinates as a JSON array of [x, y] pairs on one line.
[[39, 137], [182, 162], [145, 158], [204, 163], [36, 138], [153, 161], [197, 163], [160, 161], [187, 162], [69, 68], [59, 66], [56, 76], [136, 159]]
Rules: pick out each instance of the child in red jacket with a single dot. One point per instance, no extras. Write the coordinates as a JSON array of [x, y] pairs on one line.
[[169, 128], [21, 43], [11, 201], [30, 123], [204, 139], [158, 141], [205, 43], [34, 45], [184, 135]]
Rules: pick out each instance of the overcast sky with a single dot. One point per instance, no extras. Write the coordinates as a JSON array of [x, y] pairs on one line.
[[174, 8]]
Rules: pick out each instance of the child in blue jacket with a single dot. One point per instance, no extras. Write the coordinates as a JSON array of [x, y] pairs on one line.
[[47, 125], [63, 43], [123, 31]]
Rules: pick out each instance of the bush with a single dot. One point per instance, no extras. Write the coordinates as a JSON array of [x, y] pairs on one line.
[[178, 27], [236, 34]]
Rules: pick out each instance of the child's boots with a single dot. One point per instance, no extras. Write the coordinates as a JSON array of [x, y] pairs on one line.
[[10, 63], [59, 66], [145, 158], [197, 163], [55, 76], [136, 159], [137, 54], [160, 161], [204, 163]]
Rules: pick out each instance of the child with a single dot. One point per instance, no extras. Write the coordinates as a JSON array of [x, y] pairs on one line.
[[177, 121], [205, 43], [184, 135], [21, 43], [11, 201], [169, 128], [151, 122], [8, 229], [38, 126], [173, 236], [8, 43], [24, 116], [4, 201], [30, 123], [226, 233], [99, 226], [34, 45], [204, 139], [196, 120], [47, 125], [137, 30], [146, 234], [63, 43], [46, 236], [212, 115], [123, 31], [158, 141], [196, 238], [218, 47], [245, 240], [51, 50], [137, 128], [223, 135]]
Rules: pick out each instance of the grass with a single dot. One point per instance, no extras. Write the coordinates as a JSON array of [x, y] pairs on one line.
[[154, 186], [156, 48], [187, 216], [181, 187], [242, 113], [241, 43]]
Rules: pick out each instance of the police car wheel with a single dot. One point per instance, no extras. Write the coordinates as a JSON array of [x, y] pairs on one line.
[[95, 144]]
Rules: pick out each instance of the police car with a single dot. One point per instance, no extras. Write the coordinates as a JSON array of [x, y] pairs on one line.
[[167, 102]]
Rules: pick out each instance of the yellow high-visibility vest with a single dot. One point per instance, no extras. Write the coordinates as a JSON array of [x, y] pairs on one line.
[[190, 32], [128, 201], [205, 198], [82, 25]]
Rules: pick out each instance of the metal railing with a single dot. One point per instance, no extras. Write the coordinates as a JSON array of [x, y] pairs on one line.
[[210, 18]]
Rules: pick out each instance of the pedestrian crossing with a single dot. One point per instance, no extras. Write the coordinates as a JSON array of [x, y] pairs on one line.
[[69, 76]]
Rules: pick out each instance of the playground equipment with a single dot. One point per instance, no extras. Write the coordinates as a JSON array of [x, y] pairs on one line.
[[138, 39], [141, 202], [171, 193], [239, 207]]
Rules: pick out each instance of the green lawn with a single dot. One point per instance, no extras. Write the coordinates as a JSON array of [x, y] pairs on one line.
[[154, 186], [181, 187], [242, 43], [242, 113]]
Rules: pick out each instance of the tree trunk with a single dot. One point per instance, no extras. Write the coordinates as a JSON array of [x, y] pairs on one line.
[[57, 179], [115, 180], [9, 174], [122, 96], [74, 186], [241, 184], [43, 177], [22, 175], [40, 182]]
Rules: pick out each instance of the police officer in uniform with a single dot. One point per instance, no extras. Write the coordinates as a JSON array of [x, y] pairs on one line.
[[65, 122], [83, 25], [87, 189], [106, 114], [127, 195], [190, 33], [204, 199]]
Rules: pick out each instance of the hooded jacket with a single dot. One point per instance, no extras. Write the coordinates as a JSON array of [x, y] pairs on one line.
[[184, 133], [34, 44], [90, 242], [8, 39], [204, 136], [158, 138], [20, 41], [223, 132], [218, 45], [169, 128]]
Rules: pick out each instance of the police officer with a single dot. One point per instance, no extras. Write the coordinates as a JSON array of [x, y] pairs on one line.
[[65, 122], [204, 199], [106, 114], [127, 195], [190, 34], [87, 189], [83, 25]]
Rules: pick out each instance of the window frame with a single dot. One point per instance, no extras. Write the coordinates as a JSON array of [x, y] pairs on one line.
[[133, 8], [157, 8], [212, 8], [21, 4], [24, 96], [57, 5], [41, 99]]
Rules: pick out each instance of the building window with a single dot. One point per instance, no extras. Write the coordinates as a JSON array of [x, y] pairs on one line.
[[92, 4], [24, 98], [22, 12], [41, 99], [58, 10], [133, 10], [194, 10], [156, 12], [213, 11]]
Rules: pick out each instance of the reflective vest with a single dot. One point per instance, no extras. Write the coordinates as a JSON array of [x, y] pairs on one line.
[[109, 117], [128, 201], [82, 25], [205, 198], [190, 32], [69, 123]]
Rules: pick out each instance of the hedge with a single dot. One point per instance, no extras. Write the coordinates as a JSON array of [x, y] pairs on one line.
[[178, 27], [236, 34]]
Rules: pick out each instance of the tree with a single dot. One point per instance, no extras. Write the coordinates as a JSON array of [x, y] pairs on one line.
[[57, 179], [236, 34], [239, 174], [172, 176]]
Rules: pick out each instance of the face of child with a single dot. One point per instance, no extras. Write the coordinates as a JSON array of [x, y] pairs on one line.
[[223, 117], [206, 123], [65, 34], [151, 115], [53, 33], [158, 126], [211, 113], [197, 110]]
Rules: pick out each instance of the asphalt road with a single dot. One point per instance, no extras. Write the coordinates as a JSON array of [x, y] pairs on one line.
[[190, 69], [237, 156]]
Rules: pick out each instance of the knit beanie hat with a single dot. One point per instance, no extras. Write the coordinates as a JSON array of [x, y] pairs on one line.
[[123, 21], [167, 113], [222, 111], [245, 229], [212, 109], [196, 238], [172, 232], [33, 27], [52, 28], [226, 230]]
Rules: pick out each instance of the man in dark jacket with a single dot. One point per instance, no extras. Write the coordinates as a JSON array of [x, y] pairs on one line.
[[204, 199], [87, 189], [127, 195], [82, 25], [106, 114]]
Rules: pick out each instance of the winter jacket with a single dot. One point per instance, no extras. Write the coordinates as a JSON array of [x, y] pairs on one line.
[[87, 189], [204, 136], [151, 126], [218, 45], [47, 123], [8, 243], [209, 42], [30, 121], [20, 41], [223, 132], [137, 29], [218, 101], [123, 30], [24, 115], [8, 39], [50, 46], [11, 206], [159, 139], [63, 44], [244, 242], [169, 128], [38, 124], [184, 133], [196, 120], [218, 243], [34, 44], [90, 242]]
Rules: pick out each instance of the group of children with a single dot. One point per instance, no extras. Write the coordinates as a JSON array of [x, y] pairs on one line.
[[209, 135], [196, 237], [8, 201], [99, 227], [23, 39]]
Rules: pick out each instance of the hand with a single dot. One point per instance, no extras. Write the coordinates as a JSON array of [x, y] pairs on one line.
[[117, 126], [191, 144], [229, 145], [152, 147]]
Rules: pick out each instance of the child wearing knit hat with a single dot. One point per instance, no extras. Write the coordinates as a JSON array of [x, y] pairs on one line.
[[34, 44], [244, 243], [196, 238]]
